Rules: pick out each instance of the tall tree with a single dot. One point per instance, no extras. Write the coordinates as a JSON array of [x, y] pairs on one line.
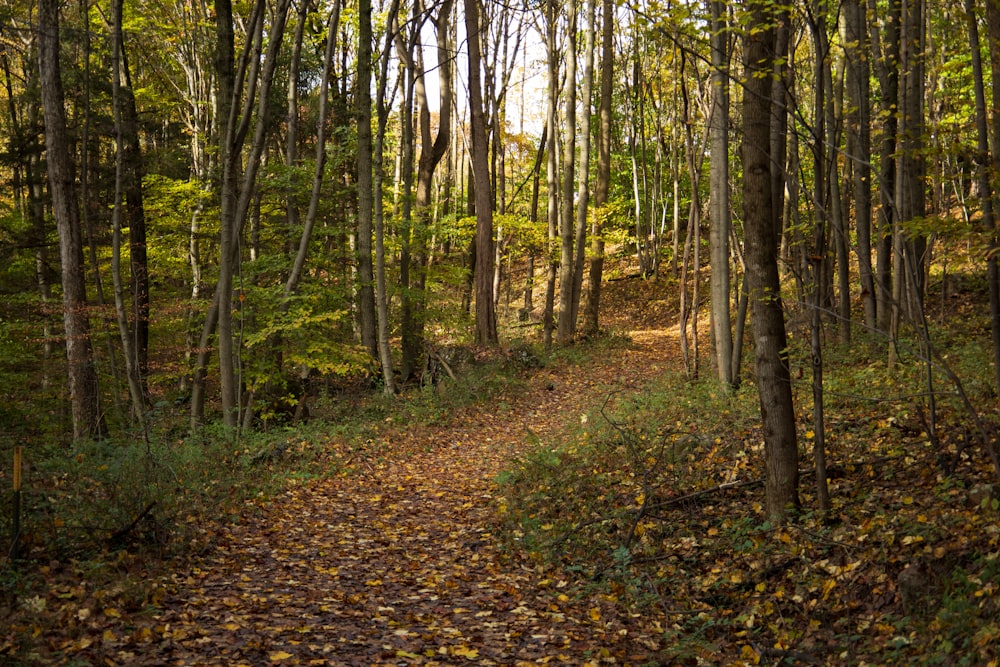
[[885, 47], [566, 215], [363, 109], [719, 193], [486, 318], [859, 147], [603, 178], [88, 421], [583, 194], [993, 271], [433, 148], [242, 86], [128, 186], [770, 343]]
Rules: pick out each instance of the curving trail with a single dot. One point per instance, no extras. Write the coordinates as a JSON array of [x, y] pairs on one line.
[[397, 565]]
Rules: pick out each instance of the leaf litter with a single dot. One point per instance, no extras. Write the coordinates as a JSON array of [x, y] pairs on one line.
[[659, 556]]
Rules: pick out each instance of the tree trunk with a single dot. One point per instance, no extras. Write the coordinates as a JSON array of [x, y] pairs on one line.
[[88, 421], [583, 195], [365, 292], [486, 319], [910, 197], [566, 210], [773, 378], [859, 148], [993, 272], [886, 52], [299, 263], [780, 100], [722, 334], [126, 185], [603, 178], [381, 290]]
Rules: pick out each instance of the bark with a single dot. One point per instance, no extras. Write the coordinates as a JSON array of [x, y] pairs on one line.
[[773, 379], [566, 324], [135, 219], [365, 293], [88, 421], [250, 81], [886, 51], [859, 148], [583, 195], [722, 335], [993, 272], [299, 263], [486, 321], [603, 177], [126, 171], [433, 149], [410, 297], [780, 96], [911, 170], [381, 293]]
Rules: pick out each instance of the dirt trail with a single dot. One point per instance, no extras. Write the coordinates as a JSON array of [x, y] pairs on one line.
[[397, 566]]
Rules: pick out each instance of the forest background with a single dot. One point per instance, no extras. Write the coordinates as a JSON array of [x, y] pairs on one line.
[[231, 212]]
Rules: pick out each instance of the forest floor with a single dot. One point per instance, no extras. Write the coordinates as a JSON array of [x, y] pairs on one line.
[[392, 563], [600, 509]]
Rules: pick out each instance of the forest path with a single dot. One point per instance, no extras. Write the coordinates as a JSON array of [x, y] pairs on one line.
[[398, 566]]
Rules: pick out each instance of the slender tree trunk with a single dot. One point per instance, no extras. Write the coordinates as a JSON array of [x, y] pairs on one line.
[[411, 294], [135, 219], [126, 139], [381, 288], [859, 148], [993, 272], [910, 198], [566, 211], [486, 319], [365, 293], [773, 378], [552, 172], [780, 96], [299, 263], [603, 178], [433, 148], [583, 195], [722, 334], [886, 52], [88, 421], [255, 72]]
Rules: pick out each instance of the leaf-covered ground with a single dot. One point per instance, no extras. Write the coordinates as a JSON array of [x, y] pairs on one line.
[[394, 562], [605, 511]]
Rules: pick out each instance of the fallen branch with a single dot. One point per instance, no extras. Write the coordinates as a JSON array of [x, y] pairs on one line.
[[121, 533], [705, 492]]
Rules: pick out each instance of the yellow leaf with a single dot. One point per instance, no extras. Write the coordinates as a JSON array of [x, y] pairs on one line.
[[231, 626], [465, 652], [112, 612], [278, 656], [595, 614], [748, 653], [828, 586]]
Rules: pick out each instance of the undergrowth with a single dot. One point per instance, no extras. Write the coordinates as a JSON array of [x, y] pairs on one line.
[[89, 507], [657, 497]]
